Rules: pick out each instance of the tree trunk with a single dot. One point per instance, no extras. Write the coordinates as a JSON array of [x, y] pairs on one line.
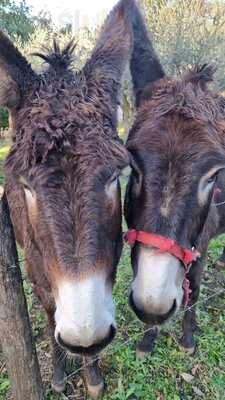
[[15, 330]]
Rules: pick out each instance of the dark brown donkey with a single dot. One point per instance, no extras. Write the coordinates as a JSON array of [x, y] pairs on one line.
[[178, 145], [62, 185]]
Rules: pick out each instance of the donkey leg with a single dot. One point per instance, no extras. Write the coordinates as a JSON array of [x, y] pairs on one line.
[[146, 345], [189, 323], [189, 326], [58, 358], [58, 354], [94, 381], [59, 367], [220, 263]]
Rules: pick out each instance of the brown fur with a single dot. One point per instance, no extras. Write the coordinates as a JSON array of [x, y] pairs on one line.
[[178, 137], [181, 136], [65, 151]]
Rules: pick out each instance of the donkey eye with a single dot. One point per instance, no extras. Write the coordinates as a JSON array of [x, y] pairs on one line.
[[207, 184], [212, 179], [112, 186], [26, 187], [114, 178]]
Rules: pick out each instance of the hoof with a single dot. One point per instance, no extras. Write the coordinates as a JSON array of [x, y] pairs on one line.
[[220, 265], [141, 355], [59, 387], [59, 382], [188, 350], [95, 391]]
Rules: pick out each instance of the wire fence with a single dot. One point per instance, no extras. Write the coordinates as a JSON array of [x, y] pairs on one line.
[[138, 335], [135, 336]]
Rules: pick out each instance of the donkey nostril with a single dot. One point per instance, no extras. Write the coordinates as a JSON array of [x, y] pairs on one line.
[[61, 341], [94, 348], [155, 319]]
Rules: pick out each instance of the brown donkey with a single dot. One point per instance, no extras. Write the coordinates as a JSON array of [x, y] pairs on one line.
[[62, 185], [178, 145]]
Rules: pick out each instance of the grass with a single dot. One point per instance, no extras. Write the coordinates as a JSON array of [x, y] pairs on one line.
[[168, 374], [4, 148]]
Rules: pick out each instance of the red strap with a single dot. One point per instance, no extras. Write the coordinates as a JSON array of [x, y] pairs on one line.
[[165, 245]]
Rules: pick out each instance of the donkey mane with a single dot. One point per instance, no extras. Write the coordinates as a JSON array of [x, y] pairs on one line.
[[185, 100], [201, 74], [65, 114], [193, 114], [187, 96], [59, 118], [58, 59]]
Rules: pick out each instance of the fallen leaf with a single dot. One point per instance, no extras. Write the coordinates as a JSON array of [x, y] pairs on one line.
[[187, 377], [198, 391]]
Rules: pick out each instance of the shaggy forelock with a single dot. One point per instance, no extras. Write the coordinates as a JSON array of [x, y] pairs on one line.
[[179, 108], [59, 119]]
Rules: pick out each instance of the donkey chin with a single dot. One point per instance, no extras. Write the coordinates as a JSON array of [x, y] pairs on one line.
[[84, 317], [157, 289]]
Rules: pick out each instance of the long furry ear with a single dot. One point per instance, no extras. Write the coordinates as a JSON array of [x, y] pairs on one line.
[[9, 91], [145, 66], [201, 75], [112, 52], [15, 73]]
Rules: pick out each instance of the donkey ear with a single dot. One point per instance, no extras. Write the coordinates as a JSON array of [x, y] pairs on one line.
[[201, 75], [136, 179], [133, 188], [9, 91], [112, 52], [15, 73], [145, 66]]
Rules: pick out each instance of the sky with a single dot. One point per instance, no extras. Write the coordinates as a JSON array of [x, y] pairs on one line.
[[60, 8]]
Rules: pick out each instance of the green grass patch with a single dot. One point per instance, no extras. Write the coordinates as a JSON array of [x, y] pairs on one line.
[[161, 375], [4, 149]]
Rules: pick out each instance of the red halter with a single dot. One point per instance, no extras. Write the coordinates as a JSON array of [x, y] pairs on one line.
[[166, 245]]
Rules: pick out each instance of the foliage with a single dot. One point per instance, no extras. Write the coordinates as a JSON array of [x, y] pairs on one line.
[[16, 19], [84, 40], [43, 20], [4, 148], [186, 33], [3, 119]]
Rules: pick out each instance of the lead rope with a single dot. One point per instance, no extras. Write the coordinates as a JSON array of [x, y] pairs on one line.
[[186, 286]]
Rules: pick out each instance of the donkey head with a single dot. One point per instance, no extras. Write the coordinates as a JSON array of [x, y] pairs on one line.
[[177, 145], [64, 167]]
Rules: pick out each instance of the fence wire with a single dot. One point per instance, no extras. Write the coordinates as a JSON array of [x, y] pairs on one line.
[[136, 336]]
